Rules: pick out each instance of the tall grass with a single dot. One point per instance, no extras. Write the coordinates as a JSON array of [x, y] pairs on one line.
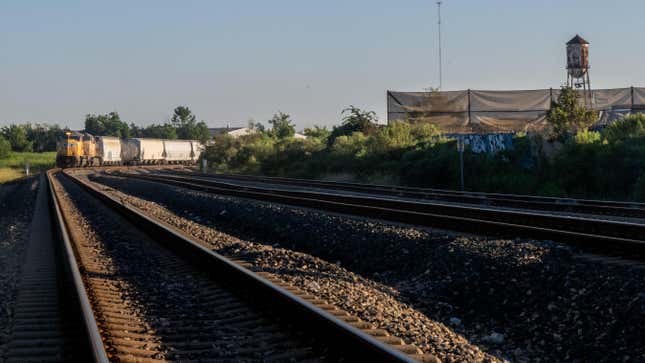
[[13, 166], [8, 174]]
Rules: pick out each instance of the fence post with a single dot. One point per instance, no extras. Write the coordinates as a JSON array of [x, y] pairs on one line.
[[387, 104], [460, 149], [469, 106]]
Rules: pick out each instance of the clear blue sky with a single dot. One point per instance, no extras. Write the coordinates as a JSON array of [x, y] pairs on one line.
[[234, 60]]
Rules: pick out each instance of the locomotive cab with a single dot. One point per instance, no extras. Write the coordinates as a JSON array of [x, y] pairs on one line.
[[69, 150], [75, 150]]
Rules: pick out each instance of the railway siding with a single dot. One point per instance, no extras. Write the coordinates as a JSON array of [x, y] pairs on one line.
[[375, 303], [594, 209], [544, 299], [342, 338], [608, 236]]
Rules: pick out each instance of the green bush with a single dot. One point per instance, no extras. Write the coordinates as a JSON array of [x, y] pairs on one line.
[[567, 115], [17, 137], [587, 137], [632, 126], [5, 148], [590, 164]]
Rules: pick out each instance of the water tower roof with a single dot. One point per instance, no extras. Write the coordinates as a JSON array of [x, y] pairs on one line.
[[577, 40]]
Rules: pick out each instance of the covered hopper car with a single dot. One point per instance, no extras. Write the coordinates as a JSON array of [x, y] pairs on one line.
[[178, 151], [109, 150], [142, 151]]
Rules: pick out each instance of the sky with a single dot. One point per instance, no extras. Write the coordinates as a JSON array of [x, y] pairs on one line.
[[231, 61]]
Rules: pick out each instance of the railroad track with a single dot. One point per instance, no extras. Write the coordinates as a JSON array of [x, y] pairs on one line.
[[149, 293], [45, 326], [607, 236], [570, 205]]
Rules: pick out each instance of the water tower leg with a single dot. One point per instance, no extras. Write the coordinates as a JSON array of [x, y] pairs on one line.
[[591, 98]]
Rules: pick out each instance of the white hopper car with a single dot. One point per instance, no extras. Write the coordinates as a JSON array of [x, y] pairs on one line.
[[142, 151], [198, 148], [156, 151], [178, 151], [109, 150]]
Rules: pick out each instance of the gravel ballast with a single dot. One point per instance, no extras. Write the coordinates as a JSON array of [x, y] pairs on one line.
[[152, 306], [517, 299], [16, 211]]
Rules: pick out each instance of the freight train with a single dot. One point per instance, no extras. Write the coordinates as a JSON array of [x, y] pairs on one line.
[[82, 149]]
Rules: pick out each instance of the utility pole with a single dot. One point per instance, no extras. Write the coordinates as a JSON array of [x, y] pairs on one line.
[[440, 60]]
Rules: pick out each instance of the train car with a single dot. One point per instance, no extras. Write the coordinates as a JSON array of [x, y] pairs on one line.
[[76, 149], [178, 151], [198, 148], [90, 155], [109, 150], [142, 151]]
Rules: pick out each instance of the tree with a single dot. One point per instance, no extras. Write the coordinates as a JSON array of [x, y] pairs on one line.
[[135, 131], [258, 126], [187, 126], [182, 115], [106, 125], [5, 147], [281, 126], [355, 120], [165, 131], [43, 136], [567, 115], [628, 127], [17, 137], [318, 132]]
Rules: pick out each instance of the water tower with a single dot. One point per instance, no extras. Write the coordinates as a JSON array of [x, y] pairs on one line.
[[578, 67]]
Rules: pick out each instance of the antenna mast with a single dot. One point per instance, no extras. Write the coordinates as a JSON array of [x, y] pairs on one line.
[[440, 60]]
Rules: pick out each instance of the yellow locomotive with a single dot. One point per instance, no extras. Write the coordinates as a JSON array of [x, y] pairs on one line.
[[76, 149]]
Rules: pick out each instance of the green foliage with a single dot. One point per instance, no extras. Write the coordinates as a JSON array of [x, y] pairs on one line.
[[43, 136], [186, 125], [631, 126], [5, 148], [13, 165], [154, 131], [281, 126], [354, 120], [568, 115], [17, 137], [37, 161], [106, 125], [182, 115], [587, 137], [318, 133], [183, 125], [608, 164]]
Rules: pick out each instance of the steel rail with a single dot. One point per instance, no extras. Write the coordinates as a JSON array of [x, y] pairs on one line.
[[73, 274], [323, 324], [587, 206], [621, 237]]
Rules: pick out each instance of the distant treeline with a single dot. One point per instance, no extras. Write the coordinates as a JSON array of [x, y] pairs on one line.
[[28, 137], [183, 125], [43, 137]]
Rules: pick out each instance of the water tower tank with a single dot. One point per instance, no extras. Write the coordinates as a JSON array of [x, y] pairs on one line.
[[577, 57]]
